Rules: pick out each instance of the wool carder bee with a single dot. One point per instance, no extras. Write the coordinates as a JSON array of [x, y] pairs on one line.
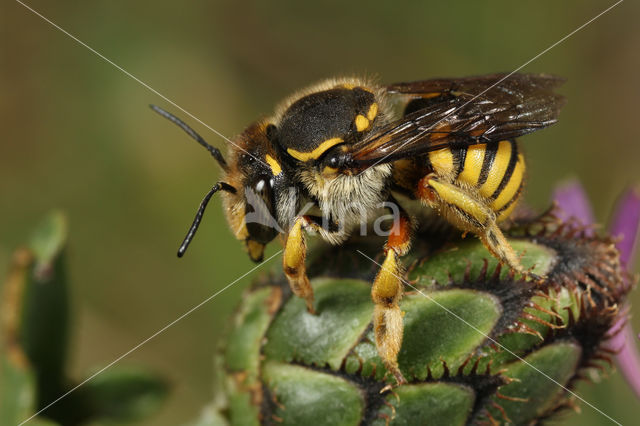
[[339, 149]]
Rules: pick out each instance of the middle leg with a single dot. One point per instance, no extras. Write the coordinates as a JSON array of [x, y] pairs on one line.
[[386, 294]]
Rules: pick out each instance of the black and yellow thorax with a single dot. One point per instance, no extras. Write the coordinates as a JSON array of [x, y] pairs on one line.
[[317, 122], [313, 132]]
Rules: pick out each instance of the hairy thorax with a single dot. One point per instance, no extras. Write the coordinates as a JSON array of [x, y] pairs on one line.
[[346, 201]]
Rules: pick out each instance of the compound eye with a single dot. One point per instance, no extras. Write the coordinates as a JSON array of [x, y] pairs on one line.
[[259, 211], [333, 162]]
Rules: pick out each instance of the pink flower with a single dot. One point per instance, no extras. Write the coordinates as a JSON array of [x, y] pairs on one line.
[[573, 202]]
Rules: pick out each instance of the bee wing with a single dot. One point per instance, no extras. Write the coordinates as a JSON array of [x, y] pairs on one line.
[[463, 111]]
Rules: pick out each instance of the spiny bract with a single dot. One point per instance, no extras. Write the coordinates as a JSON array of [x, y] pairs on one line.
[[480, 346]]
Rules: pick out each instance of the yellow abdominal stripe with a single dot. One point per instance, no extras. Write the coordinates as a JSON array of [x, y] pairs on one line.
[[511, 189], [473, 164], [316, 153], [498, 169], [442, 161], [275, 166]]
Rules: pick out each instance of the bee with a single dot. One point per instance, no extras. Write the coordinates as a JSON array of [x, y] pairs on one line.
[[340, 148]]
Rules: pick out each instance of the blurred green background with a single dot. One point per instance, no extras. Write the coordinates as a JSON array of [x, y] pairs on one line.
[[77, 135]]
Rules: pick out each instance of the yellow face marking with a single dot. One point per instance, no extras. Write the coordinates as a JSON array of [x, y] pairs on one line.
[[362, 123], [498, 169], [452, 195], [442, 161], [473, 164], [348, 86], [275, 166], [373, 111], [329, 171], [255, 250], [316, 153], [511, 188]]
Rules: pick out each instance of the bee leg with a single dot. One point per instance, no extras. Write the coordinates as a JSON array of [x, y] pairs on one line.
[[386, 294], [494, 240], [295, 251], [470, 213]]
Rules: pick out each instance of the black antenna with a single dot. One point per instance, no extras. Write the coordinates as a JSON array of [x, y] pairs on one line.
[[203, 205], [215, 152]]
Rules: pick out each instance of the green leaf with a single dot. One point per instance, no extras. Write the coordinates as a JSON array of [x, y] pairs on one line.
[[17, 390], [344, 311], [430, 404], [306, 397], [29, 371], [210, 416], [123, 394], [539, 379], [242, 355], [49, 239], [35, 337], [44, 310], [251, 322], [445, 326], [472, 254], [241, 410]]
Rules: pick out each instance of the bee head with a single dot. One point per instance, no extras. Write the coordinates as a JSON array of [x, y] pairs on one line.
[[251, 181], [254, 210]]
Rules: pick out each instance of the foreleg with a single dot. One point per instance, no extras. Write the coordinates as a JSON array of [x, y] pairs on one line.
[[295, 251]]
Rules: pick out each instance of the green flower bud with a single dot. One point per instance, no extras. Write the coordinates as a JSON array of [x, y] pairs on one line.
[[480, 344]]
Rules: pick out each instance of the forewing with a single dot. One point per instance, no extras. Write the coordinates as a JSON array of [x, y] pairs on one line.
[[464, 111]]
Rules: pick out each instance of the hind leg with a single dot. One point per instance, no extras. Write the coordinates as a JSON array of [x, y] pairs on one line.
[[470, 213]]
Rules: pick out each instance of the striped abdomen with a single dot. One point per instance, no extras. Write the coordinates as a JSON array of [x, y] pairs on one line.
[[494, 169]]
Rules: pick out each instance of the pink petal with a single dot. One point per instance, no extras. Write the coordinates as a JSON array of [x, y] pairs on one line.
[[573, 202], [625, 223]]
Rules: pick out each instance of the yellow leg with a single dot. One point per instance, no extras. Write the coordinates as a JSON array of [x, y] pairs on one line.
[[386, 294], [295, 251], [494, 240], [470, 213]]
